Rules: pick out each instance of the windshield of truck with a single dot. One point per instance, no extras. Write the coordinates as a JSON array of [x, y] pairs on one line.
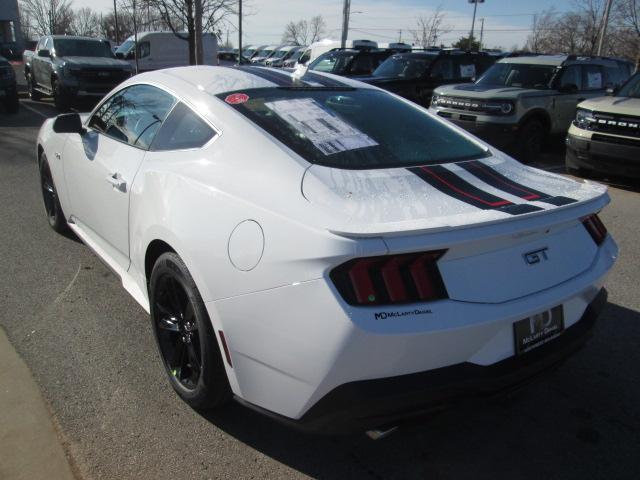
[[353, 128], [125, 47], [520, 75], [264, 53], [73, 47], [332, 62], [404, 66], [631, 88]]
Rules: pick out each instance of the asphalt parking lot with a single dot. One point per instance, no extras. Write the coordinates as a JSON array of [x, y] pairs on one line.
[[91, 350]]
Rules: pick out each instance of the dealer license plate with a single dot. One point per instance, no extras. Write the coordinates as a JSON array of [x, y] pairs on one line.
[[538, 329]]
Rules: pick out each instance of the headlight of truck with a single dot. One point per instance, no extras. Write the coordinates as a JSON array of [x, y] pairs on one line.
[[497, 108], [583, 118]]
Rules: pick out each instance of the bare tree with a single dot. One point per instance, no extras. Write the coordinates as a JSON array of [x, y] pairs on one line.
[[85, 22], [539, 32], [181, 15], [304, 32], [317, 28], [628, 38], [430, 28], [48, 17]]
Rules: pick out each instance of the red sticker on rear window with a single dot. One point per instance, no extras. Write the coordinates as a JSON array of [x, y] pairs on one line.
[[236, 98]]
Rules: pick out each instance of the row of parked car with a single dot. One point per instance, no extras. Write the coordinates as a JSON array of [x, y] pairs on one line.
[[513, 101]]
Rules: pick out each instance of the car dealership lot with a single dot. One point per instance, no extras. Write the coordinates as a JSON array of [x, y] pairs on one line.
[[90, 347]]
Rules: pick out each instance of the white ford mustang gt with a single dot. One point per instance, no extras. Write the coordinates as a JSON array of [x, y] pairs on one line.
[[321, 250]]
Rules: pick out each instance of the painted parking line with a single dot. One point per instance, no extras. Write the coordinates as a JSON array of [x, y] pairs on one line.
[[31, 109]]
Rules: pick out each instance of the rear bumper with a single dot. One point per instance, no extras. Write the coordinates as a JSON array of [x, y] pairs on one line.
[[603, 153], [362, 405]]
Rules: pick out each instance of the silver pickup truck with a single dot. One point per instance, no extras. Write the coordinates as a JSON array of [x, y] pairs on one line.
[[67, 68], [520, 101]]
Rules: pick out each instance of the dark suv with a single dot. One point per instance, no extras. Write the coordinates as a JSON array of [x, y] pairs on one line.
[[8, 90], [350, 62], [67, 67], [414, 75]]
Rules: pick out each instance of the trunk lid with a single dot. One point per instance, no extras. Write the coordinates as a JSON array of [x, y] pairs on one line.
[[509, 230]]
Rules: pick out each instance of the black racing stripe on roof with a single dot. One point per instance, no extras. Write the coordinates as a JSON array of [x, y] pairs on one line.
[[280, 79]]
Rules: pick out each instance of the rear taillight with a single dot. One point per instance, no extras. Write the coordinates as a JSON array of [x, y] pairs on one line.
[[596, 228], [390, 279]]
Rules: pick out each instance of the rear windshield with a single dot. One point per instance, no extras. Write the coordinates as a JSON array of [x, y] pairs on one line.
[[352, 128], [404, 66], [519, 75], [66, 47], [332, 62]]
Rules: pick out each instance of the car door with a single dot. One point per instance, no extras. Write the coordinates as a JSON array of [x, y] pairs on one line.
[[101, 164], [564, 103], [37, 62]]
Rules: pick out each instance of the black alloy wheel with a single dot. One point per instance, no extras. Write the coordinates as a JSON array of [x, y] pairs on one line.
[[184, 335], [52, 207], [178, 336]]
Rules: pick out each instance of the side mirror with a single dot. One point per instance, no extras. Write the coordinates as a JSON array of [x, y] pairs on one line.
[[68, 123], [119, 55], [568, 88], [131, 55], [44, 53], [611, 91]]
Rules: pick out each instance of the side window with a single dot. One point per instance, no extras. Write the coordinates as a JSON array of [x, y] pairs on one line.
[[133, 115], [592, 77], [48, 44], [572, 75], [362, 64], [467, 67], [183, 129], [144, 49], [443, 68], [306, 56]]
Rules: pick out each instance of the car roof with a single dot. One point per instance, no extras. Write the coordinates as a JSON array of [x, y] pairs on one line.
[[553, 60], [75, 37], [219, 79]]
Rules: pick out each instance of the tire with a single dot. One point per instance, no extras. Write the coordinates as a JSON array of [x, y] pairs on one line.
[[184, 335], [52, 207], [531, 138], [12, 103], [61, 99], [33, 93]]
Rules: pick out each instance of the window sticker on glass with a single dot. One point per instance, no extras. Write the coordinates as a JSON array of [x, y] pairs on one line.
[[468, 71], [594, 80], [329, 133]]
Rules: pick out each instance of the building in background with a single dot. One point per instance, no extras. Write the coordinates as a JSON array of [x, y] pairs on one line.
[[11, 42]]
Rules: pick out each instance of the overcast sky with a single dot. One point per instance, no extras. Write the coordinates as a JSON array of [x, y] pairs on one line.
[[506, 21]]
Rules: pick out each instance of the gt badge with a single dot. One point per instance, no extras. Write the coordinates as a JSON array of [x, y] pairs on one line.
[[536, 256]]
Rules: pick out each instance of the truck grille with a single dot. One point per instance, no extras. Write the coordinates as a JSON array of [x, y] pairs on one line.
[[616, 124], [102, 75]]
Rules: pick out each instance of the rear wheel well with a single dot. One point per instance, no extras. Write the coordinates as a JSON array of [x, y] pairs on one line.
[[541, 117], [154, 250]]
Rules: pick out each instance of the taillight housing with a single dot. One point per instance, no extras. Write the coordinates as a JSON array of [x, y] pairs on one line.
[[390, 279], [596, 228]]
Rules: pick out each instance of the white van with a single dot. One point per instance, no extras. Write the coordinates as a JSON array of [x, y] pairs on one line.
[[318, 48], [158, 50]]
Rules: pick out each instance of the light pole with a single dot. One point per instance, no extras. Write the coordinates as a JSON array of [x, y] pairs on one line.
[[345, 22], [115, 17], [473, 22], [605, 22], [239, 32]]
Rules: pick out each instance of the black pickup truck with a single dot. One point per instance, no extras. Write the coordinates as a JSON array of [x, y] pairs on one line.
[[67, 68], [414, 75]]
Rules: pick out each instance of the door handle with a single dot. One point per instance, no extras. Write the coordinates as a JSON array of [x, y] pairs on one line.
[[117, 182]]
